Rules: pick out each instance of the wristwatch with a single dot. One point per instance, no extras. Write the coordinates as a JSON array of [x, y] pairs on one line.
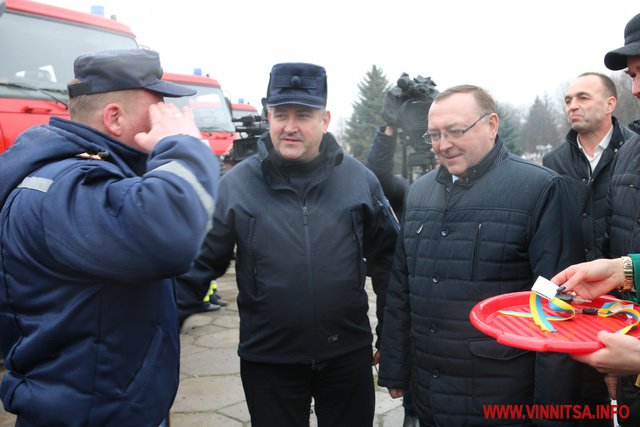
[[627, 267]]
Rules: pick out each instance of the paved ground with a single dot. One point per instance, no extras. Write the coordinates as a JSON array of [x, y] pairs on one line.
[[210, 392]]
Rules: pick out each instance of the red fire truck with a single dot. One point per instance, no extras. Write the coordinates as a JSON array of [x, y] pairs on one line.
[[38, 44], [210, 109]]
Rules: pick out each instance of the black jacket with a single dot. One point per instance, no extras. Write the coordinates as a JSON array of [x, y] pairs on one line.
[[380, 161], [299, 257], [623, 237], [623, 220], [591, 187], [460, 243]]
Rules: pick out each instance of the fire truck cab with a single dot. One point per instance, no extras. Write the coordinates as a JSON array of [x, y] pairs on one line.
[[38, 46], [210, 110]]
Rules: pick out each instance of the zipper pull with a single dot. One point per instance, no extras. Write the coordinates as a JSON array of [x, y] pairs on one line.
[[305, 215]]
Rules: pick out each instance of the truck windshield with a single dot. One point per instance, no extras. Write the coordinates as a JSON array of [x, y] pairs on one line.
[[209, 108], [33, 66]]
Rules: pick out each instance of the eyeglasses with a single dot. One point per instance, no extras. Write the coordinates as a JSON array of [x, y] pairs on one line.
[[434, 137]]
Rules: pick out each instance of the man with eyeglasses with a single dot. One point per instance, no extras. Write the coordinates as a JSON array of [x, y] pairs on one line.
[[484, 223]]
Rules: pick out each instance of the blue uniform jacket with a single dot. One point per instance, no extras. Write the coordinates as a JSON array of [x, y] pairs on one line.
[[89, 247]]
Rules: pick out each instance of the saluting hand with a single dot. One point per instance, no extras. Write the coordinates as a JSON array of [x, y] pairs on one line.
[[166, 120]]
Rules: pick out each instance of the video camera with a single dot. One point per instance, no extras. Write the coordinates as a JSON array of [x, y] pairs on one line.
[[250, 128], [406, 108]]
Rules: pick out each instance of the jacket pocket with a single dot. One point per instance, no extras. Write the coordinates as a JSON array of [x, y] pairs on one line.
[[251, 239], [490, 349], [147, 365], [358, 236], [628, 179], [499, 374], [476, 252], [10, 383], [625, 230]]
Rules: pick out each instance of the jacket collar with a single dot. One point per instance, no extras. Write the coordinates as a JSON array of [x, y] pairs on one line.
[[62, 139], [616, 141], [125, 156], [329, 150], [497, 155]]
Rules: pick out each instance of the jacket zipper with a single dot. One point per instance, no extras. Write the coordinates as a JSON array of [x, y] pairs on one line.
[[389, 215], [307, 240], [415, 254]]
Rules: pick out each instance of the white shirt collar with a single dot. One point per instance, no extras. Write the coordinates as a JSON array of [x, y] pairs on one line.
[[597, 152]]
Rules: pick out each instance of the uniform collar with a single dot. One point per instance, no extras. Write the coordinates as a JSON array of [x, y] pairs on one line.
[[497, 155]]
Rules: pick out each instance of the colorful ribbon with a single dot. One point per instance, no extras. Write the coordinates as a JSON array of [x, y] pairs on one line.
[[611, 308], [544, 321], [538, 315]]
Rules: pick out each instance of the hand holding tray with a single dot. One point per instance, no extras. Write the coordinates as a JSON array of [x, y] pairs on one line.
[[577, 335]]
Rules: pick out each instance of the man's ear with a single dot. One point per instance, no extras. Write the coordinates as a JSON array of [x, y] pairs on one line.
[[326, 118], [112, 119], [612, 102], [494, 124]]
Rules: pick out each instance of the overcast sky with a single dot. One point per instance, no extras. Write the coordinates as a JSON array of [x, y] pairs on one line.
[[516, 49]]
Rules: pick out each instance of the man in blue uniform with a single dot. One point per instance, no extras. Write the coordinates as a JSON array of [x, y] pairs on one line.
[[98, 214]]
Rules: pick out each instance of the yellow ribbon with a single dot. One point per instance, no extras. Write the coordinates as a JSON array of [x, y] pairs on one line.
[[556, 304], [611, 308], [537, 312]]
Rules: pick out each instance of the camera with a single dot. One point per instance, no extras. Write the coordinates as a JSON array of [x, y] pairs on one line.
[[249, 129], [406, 108], [406, 105]]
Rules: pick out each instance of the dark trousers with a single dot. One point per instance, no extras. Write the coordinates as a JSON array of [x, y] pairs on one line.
[[280, 395]]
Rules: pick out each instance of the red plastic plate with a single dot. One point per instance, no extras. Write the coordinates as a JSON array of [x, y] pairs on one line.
[[577, 335]]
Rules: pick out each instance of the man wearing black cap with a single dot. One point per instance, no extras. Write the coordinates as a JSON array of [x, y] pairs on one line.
[[628, 56], [623, 233], [303, 217], [585, 159], [98, 214]]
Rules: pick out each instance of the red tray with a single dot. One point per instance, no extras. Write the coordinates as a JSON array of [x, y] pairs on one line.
[[577, 335]]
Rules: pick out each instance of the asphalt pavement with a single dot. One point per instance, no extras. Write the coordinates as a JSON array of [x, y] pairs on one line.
[[210, 391]]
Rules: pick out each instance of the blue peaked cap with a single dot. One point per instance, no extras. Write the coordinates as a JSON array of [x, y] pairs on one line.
[[297, 83], [123, 69]]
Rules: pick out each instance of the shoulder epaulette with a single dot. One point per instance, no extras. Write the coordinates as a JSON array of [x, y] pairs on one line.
[[102, 155]]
